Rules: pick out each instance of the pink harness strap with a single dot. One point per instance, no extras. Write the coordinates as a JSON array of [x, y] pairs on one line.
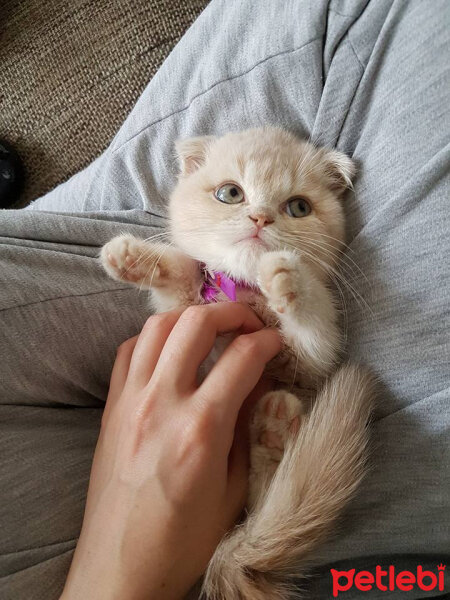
[[216, 281]]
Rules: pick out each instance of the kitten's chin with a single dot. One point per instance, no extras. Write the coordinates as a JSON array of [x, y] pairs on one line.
[[242, 260]]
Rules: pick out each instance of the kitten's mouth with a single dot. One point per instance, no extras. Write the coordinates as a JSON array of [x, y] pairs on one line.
[[253, 239]]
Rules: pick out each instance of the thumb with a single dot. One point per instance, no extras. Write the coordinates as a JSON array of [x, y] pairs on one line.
[[238, 469], [239, 456]]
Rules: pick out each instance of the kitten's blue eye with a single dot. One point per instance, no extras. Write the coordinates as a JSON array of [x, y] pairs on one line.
[[229, 193], [298, 207]]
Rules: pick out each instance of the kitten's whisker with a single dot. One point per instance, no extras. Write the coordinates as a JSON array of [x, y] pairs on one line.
[[146, 258], [157, 262], [324, 267], [302, 241], [147, 255], [340, 242], [336, 275], [154, 266], [336, 271], [345, 260], [158, 238], [295, 372], [332, 273]]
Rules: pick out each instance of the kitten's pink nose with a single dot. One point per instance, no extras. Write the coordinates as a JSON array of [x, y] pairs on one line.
[[261, 220]]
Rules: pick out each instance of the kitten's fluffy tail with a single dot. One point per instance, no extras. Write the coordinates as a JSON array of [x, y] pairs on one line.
[[319, 473]]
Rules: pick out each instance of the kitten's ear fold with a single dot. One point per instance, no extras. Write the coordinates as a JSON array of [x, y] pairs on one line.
[[339, 170], [192, 152]]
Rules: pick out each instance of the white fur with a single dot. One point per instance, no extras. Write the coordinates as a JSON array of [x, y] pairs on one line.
[[304, 467]]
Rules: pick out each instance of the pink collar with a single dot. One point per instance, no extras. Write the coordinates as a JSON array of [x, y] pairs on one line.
[[216, 281]]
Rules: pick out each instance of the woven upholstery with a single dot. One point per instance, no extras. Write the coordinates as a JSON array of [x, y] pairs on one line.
[[71, 70]]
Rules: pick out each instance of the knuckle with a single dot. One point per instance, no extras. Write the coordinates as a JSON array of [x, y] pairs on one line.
[[195, 315], [198, 432], [247, 346], [159, 321], [142, 417], [206, 424]]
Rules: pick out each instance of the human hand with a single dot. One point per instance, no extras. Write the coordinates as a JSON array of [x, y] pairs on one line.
[[169, 475]]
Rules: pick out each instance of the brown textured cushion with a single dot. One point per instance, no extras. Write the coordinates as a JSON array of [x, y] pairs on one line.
[[70, 71]]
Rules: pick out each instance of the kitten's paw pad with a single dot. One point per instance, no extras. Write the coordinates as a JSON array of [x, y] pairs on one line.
[[277, 279], [128, 259], [277, 417]]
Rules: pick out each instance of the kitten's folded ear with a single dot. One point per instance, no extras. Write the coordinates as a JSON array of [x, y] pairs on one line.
[[338, 170], [192, 152]]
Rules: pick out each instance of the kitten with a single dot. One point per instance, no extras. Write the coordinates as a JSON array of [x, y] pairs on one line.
[[257, 216]]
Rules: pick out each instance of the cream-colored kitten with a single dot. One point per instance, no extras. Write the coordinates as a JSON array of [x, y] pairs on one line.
[[257, 215]]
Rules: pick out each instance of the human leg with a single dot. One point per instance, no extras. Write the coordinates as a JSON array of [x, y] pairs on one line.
[[355, 77]]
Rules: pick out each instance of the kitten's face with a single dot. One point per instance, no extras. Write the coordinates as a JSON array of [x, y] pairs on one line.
[[259, 190]]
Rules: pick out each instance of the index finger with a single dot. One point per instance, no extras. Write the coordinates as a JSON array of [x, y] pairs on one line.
[[237, 372], [194, 335]]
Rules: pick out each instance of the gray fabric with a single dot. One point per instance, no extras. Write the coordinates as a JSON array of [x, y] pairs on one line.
[[369, 77]]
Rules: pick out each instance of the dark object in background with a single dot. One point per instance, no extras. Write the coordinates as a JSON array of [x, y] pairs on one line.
[[11, 175], [71, 71]]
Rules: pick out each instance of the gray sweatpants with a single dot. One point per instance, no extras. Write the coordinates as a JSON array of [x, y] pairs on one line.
[[371, 78]]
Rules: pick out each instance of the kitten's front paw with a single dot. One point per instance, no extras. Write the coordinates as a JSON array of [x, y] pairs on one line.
[[278, 279], [128, 258]]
